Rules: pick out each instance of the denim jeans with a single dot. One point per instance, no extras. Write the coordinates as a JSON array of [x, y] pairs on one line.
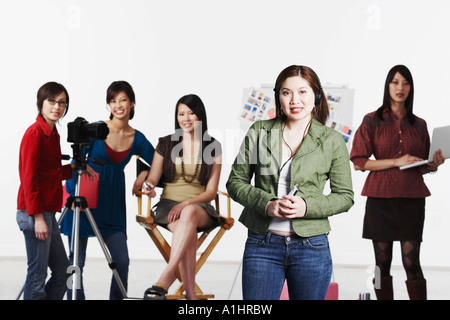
[[117, 247], [43, 254], [269, 259]]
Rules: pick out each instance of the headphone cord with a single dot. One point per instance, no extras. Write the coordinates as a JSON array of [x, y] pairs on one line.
[[304, 134], [290, 149]]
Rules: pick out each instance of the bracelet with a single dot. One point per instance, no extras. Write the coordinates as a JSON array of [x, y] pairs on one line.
[[431, 171]]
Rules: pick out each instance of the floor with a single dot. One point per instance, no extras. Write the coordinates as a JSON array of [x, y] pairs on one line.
[[220, 278]]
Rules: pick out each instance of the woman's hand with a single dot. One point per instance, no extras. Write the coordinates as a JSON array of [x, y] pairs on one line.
[[438, 159], [293, 207], [385, 164], [175, 212], [40, 227], [406, 159], [288, 207], [149, 189], [91, 174], [272, 208], [137, 186]]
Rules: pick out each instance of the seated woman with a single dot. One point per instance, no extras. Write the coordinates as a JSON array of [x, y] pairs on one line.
[[188, 165]]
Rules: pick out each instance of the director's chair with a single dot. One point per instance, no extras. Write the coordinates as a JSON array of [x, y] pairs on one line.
[[148, 222]]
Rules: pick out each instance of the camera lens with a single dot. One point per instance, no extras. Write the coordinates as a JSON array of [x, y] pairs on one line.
[[96, 130], [80, 131]]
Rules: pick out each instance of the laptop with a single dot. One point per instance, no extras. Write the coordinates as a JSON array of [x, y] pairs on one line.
[[440, 140]]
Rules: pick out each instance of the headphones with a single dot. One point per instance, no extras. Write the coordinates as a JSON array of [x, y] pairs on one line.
[[318, 95]]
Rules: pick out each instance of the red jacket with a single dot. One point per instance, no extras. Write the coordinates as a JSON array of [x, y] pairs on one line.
[[40, 170]]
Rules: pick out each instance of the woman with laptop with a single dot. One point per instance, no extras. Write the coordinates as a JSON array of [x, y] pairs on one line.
[[395, 208]]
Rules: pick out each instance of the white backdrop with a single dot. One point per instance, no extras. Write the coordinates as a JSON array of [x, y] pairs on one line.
[[166, 49]]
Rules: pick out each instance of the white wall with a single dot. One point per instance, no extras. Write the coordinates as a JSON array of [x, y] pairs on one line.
[[166, 49]]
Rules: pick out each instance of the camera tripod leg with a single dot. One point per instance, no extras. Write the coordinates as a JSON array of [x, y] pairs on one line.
[[111, 263], [20, 292], [82, 202], [75, 283]]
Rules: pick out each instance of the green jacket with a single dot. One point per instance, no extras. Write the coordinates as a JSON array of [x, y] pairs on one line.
[[322, 155]]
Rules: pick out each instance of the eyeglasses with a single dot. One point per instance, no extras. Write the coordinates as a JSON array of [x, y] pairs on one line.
[[60, 103]]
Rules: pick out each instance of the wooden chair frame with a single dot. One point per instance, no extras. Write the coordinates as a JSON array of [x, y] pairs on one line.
[[147, 221]]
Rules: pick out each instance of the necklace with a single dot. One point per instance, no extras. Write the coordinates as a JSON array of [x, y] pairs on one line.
[[195, 173]]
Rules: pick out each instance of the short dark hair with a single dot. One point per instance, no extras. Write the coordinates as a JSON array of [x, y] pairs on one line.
[[196, 105], [51, 90], [117, 87], [322, 112], [404, 71]]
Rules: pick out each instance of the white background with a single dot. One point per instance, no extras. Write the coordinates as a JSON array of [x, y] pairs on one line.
[[166, 49]]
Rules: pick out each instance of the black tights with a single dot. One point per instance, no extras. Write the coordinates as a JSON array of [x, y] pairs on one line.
[[410, 258]]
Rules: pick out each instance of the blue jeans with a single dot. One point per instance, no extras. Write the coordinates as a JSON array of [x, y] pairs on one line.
[[269, 259], [117, 247], [43, 254]]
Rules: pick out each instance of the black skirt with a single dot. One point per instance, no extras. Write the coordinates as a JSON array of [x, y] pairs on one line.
[[394, 219]]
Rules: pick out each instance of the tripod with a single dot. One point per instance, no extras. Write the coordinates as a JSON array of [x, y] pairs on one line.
[[81, 203]]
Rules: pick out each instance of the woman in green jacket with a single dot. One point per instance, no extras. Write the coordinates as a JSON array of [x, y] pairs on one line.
[[287, 233]]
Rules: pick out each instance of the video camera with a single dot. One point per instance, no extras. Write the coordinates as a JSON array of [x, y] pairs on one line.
[[79, 133]]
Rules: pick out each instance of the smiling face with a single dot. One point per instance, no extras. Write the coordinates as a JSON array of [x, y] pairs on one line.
[[297, 99], [399, 89], [121, 106], [187, 119], [53, 108]]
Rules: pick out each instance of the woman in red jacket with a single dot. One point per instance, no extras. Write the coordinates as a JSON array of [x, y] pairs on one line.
[[40, 196]]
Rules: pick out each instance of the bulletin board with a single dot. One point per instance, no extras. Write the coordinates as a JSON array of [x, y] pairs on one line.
[[340, 101], [257, 104]]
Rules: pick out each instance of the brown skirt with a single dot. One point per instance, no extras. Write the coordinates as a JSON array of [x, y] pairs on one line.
[[394, 219], [160, 213]]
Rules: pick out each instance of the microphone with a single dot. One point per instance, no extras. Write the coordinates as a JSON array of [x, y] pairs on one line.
[[293, 191]]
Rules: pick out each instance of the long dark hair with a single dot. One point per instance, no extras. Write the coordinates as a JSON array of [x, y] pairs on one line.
[[404, 71], [117, 87], [321, 111], [196, 105]]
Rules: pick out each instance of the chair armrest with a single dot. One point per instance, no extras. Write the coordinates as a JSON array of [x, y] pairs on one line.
[[139, 195], [221, 193]]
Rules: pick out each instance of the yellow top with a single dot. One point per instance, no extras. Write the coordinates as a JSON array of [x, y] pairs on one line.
[[180, 190]]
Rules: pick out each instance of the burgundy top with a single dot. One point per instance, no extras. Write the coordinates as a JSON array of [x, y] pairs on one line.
[[387, 140], [116, 156]]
